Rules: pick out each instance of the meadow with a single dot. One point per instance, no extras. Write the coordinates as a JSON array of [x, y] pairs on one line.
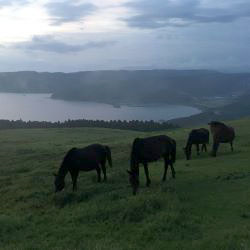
[[207, 206]]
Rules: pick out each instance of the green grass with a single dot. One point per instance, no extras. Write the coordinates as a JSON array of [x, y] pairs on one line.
[[206, 207]]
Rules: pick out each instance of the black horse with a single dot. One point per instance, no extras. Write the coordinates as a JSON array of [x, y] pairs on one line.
[[92, 157], [149, 150], [197, 137], [221, 134]]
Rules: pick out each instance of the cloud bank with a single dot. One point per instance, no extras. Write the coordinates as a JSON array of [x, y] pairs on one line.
[[70, 35], [163, 13], [69, 11], [51, 44]]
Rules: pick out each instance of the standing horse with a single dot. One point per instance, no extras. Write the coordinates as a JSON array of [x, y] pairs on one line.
[[197, 136], [149, 150], [92, 157], [221, 134]]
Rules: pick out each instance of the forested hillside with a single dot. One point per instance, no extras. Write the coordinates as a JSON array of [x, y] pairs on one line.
[[130, 87], [239, 108]]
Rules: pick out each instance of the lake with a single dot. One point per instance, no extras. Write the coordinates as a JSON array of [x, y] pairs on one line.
[[40, 107]]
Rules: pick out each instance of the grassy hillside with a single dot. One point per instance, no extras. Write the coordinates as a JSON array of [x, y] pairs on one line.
[[206, 207], [238, 109]]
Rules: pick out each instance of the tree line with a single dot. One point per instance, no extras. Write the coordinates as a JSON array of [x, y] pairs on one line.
[[113, 124]]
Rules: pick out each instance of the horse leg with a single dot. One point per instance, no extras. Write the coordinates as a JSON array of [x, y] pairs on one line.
[[232, 148], [172, 169], [104, 171], [72, 174], [215, 148], [205, 147], [146, 173], [165, 168], [198, 149], [98, 170], [137, 171], [74, 179]]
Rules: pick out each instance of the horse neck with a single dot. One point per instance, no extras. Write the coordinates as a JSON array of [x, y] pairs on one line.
[[63, 170], [133, 164], [215, 129]]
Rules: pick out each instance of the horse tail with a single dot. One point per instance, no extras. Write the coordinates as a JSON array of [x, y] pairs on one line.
[[173, 151], [108, 154]]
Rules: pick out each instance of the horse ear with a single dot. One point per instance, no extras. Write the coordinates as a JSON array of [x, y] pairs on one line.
[[129, 172]]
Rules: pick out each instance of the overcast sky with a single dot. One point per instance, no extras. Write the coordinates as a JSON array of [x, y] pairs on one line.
[[68, 36]]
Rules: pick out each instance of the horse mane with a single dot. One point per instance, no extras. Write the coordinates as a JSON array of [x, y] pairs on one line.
[[216, 123], [66, 159], [135, 145], [134, 150]]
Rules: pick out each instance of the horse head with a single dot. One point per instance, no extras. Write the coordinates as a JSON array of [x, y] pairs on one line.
[[59, 183]]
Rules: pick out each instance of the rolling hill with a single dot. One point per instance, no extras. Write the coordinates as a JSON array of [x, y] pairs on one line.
[[206, 207]]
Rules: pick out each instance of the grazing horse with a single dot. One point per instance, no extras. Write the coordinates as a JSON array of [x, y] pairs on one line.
[[221, 134], [197, 136], [92, 157], [149, 150]]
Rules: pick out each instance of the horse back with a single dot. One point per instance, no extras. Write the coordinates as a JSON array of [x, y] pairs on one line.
[[87, 158], [94, 152], [225, 134], [198, 136], [151, 148]]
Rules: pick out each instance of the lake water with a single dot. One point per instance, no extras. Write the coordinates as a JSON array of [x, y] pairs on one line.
[[40, 107]]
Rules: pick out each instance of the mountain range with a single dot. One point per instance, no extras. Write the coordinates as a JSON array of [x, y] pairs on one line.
[[138, 87]]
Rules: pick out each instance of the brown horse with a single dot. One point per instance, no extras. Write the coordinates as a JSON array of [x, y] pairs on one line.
[[92, 157], [149, 150], [197, 137], [221, 134]]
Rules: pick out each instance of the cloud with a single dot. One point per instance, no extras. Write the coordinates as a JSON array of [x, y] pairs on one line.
[[4, 3], [162, 13], [10, 2], [67, 11], [50, 44]]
